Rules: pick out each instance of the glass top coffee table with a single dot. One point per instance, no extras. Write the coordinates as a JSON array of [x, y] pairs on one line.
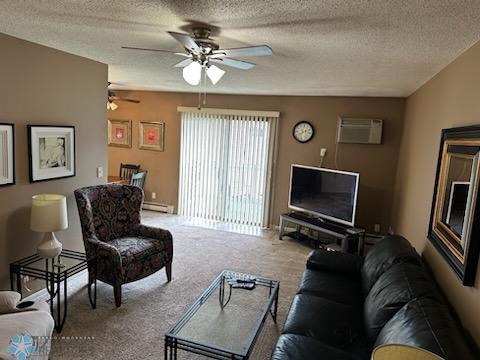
[[224, 322]]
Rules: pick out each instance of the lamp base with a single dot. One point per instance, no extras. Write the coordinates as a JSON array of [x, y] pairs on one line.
[[49, 247]]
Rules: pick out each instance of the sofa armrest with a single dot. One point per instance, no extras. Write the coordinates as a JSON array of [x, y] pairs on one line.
[[335, 262], [9, 301]]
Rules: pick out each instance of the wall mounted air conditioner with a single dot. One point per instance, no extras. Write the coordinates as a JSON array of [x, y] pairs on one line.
[[359, 131]]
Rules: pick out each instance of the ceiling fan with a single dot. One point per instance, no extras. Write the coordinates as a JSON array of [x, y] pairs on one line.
[[113, 97], [202, 53]]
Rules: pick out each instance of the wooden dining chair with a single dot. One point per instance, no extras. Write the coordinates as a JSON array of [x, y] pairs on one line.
[[138, 179], [128, 170]]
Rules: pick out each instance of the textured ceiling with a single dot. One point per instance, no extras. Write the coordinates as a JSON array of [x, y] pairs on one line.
[[337, 47]]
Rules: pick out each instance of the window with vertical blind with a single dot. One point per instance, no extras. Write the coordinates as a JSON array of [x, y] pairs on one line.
[[226, 161]]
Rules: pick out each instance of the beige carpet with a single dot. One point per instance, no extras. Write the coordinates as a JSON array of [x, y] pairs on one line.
[[150, 306]]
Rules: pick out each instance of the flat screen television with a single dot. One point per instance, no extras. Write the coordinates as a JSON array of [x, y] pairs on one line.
[[328, 194]]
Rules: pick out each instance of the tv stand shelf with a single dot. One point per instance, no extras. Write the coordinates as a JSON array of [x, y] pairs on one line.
[[344, 233]]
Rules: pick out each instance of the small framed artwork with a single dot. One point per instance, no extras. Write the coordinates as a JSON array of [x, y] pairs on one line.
[[151, 135], [51, 152], [7, 154], [120, 133]]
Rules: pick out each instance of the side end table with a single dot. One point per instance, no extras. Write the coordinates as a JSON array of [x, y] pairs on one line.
[[55, 277]]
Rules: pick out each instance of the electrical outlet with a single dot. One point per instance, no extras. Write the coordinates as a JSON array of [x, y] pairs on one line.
[[100, 172], [154, 195], [377, 228], [323, 152]]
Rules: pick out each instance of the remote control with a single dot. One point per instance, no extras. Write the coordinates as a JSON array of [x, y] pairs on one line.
[[245, 286], [246, 281]]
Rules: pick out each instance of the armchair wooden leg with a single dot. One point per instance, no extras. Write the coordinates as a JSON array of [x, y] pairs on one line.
[[117, 292], [168, 270]]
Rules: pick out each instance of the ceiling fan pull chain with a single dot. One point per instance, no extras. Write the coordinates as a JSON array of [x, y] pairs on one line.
[[204, 88]]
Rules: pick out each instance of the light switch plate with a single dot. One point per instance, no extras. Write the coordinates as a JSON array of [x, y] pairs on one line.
[[100, 172]]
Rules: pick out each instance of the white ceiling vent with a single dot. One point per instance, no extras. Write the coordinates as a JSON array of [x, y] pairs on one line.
[[359, 131]]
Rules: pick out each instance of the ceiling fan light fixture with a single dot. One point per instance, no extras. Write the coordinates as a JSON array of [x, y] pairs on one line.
[[214, 73], [193, 73], [111, 106]]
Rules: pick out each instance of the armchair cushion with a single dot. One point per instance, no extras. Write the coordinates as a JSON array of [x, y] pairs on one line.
[[142, 256]]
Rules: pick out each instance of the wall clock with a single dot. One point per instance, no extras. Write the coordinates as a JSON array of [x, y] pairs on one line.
[[303, 131]]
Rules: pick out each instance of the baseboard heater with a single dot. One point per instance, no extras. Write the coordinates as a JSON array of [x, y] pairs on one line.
[[164, 208]]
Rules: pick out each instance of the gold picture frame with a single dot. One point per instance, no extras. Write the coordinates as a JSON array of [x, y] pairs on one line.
[[120, 133], [151, 135]]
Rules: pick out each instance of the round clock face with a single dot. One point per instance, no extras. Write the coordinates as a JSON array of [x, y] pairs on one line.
[[303, 131]]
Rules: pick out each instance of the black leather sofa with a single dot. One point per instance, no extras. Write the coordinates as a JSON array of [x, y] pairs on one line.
[[347, 305]]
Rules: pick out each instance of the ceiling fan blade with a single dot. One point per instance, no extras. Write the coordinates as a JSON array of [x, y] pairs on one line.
[[157, 50], [118, 98], [239, 64], [183, 63], [186, 40], [129, 100], [260, 50]]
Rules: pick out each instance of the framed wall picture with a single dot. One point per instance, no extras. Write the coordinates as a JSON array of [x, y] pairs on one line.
[[455, 216], [51, 152], [7, 154], [151, 135], [120, 133]]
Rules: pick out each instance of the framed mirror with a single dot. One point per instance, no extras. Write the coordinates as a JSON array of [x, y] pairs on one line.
[[454, 221]]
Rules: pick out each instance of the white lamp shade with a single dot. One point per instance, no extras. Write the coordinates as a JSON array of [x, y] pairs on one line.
[[49, 213], [214, 73], [193, 73]]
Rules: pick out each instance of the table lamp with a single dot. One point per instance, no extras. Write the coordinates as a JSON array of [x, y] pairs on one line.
[[49, 214], [402, 352]]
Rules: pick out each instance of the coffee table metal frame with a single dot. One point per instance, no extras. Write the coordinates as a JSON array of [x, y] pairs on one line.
[[173, 342]]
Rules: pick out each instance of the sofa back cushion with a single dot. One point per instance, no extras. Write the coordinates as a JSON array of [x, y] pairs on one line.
[[427, 324], [395, 287], [391, 250]]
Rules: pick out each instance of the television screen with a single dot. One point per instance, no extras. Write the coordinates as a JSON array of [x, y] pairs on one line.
[[330, 194]]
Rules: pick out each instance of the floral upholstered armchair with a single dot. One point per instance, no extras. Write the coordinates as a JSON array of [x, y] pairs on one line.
[[120, 249]]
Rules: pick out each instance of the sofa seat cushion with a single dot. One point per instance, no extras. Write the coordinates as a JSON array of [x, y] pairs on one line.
[[395, 287], [31, 323], [335, 324], [426, 323], [391, 250], [339, 288], [298, 347]]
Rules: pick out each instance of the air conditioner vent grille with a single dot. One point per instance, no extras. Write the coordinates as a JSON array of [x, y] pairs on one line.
[[359, 131]]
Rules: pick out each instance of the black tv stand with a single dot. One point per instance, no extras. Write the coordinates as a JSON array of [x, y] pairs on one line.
[[335, 230]]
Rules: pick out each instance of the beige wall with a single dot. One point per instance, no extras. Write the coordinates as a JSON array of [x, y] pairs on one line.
[[40, 85], [450, 99], [375, 163]]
